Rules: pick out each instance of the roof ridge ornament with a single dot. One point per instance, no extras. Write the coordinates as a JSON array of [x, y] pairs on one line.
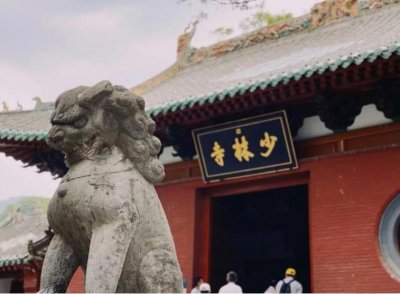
[[38, 102], [321, 14], [5, 107], [19, 106], [184, 56], [331, 10], [184, 49]]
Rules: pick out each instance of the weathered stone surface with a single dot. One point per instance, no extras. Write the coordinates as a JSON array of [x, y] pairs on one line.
[[105, 214]]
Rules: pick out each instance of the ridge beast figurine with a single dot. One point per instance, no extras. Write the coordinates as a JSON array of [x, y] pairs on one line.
[[105, 214]]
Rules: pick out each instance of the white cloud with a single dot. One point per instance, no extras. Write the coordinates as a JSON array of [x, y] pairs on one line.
[[102, 22], [17, 84]]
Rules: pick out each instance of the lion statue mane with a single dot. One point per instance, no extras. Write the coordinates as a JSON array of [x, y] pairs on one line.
[[126, 125], [106, 215]]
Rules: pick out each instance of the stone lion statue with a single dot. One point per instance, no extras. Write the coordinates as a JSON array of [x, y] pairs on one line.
[[105, 214]]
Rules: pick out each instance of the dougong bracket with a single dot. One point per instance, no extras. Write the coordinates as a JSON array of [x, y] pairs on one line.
[[181, 140], [337, 111]]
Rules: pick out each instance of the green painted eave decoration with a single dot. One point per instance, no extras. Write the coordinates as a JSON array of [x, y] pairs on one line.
[[185, 103], [20, 136], [283, 78], [13, 261]]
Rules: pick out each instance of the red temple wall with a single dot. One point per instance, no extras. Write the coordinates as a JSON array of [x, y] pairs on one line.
[[347, 196], [179, 205], [31, 281]]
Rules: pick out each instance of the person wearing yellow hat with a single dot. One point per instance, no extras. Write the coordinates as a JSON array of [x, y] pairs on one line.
[[289, 284]]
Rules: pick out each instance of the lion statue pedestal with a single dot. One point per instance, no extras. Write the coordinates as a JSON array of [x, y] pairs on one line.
[[105, 214]]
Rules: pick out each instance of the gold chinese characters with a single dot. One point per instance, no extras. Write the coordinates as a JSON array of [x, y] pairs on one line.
[[218, 154], [269, 143], [241, 148]]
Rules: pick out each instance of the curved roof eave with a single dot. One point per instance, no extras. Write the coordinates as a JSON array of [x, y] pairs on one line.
[[283, 78]]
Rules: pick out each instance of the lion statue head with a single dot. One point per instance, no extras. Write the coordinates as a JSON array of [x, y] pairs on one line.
[[89, 121]]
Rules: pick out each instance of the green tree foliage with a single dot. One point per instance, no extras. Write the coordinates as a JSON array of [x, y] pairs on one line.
[[256, 21], [262, 19], [241, 4]]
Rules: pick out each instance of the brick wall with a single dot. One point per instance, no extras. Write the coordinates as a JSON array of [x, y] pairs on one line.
[[178, 201], [347, 197]]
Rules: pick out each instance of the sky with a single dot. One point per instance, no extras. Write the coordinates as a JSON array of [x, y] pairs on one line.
[[51, 46]]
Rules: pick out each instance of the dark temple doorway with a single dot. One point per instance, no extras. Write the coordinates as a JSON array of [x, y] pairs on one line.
[[259, 235]]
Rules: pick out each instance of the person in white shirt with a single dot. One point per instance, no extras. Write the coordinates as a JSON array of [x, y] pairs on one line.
[[289, 284], [231, 286]]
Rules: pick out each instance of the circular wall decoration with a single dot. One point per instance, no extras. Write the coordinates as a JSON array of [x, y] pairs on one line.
[[389, 237]]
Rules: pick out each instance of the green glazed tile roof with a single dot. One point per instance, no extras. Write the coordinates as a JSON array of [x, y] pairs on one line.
[[24, 125], [18, 228], [284, 78], [352, 41], [22, 136]]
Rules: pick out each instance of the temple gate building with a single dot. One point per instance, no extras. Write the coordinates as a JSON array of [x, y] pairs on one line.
[[334, 215]]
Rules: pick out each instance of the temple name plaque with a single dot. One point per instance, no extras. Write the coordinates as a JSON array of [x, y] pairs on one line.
[[256, 145]]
